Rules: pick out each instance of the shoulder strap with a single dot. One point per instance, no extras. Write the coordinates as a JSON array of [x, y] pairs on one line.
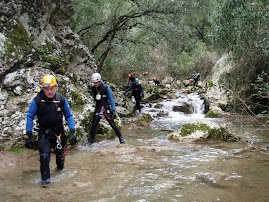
[[60, 98]]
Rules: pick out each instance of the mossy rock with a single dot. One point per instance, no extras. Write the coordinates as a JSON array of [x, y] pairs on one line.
[[211, 114], [18, 42], [210, 83], [203, 131], [77, 98], [146, 118]]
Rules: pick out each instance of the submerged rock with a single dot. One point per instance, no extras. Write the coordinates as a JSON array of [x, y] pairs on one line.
[[202, 131]]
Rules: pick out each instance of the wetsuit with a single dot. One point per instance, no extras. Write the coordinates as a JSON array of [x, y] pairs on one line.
[[196, 79], [131, 79], [138, 92], [157, 82], [105, 106], [51, 133]]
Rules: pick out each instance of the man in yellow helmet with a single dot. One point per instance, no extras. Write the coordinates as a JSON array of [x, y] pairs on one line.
[[50, 106]]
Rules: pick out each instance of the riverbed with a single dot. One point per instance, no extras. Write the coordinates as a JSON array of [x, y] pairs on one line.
[[150, 167]]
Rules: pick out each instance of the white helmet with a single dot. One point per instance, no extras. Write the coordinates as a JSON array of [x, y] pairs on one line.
[[96, 77]]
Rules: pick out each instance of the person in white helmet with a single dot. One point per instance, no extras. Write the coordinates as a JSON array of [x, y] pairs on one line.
[[105, 106]]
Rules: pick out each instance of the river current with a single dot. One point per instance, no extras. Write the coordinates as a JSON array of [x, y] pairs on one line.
[[149, 168]]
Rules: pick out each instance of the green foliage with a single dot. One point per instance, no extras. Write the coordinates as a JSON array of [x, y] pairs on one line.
[[211, 114], [135, 36], [260, 95], [243, 29]]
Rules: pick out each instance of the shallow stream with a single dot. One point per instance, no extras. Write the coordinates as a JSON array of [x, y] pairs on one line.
[[148, 168]]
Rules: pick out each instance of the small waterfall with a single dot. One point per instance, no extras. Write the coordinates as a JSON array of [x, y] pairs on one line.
[[163, 111], [197, 104]]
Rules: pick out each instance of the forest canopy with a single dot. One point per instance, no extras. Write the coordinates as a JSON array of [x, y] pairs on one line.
[[172, 37]]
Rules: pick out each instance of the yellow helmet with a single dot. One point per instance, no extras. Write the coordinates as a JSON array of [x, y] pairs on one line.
[[48, 80], [129, 75]]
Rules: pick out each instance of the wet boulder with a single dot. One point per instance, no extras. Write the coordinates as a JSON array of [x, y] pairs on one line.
[[186, 83], [168, 80], [162, 114], [158, 105], [185, 108], [203, 131]]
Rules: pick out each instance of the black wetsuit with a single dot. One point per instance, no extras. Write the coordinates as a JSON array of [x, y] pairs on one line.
[[105, 106]]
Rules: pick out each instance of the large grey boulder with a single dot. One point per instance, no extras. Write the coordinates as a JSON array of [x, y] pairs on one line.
[[203, 131]]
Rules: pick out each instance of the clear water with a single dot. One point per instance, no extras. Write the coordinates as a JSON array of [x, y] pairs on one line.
[[148, 168]]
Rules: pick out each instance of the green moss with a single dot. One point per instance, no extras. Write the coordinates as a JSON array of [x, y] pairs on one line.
[[210, 83], [187, 108], [86, 123], [2, 148], [146, 118], [189, 128], [215, 133], [79, 132], [211, 114], [77, 98], [51, 59], [23, 105], [18, 41], [117, 124], [77, 108], [61, 71], [17, 149]]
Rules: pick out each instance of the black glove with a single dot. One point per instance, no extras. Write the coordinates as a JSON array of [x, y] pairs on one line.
[[113, 114], [29, 140], [72, 137]]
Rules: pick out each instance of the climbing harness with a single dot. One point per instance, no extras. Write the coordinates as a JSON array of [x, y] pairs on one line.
[[58, 141]]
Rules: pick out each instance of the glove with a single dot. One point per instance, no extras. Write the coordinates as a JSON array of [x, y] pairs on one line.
[[72, 137], [143, 95], [114, 114], [29, 140], [123, 94]]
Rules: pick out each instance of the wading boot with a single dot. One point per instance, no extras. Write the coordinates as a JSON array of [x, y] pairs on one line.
[[91, 141], [45, 170], [122, 141]]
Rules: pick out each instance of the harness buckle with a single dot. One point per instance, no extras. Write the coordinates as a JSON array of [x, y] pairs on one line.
[[58, 141]]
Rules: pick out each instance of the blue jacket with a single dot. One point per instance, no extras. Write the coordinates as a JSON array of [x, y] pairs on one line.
[[33, 109], [135, 88]]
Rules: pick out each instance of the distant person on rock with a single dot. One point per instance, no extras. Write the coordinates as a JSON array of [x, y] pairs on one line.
[[50, 106], [156, 81], [105, 107], [131, 79], [137, 92], [196, 78], [145, 74]]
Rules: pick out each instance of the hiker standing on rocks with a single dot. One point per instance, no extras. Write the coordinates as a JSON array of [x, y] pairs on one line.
[[137, 92], [196, 78], [156, 81]]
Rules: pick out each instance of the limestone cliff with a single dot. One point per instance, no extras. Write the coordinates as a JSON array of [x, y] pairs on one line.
[[35, 39]]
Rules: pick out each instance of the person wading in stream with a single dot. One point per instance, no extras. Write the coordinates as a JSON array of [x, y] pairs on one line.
[[137, 92], [50, 106], [196, 78], [105, 106]]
